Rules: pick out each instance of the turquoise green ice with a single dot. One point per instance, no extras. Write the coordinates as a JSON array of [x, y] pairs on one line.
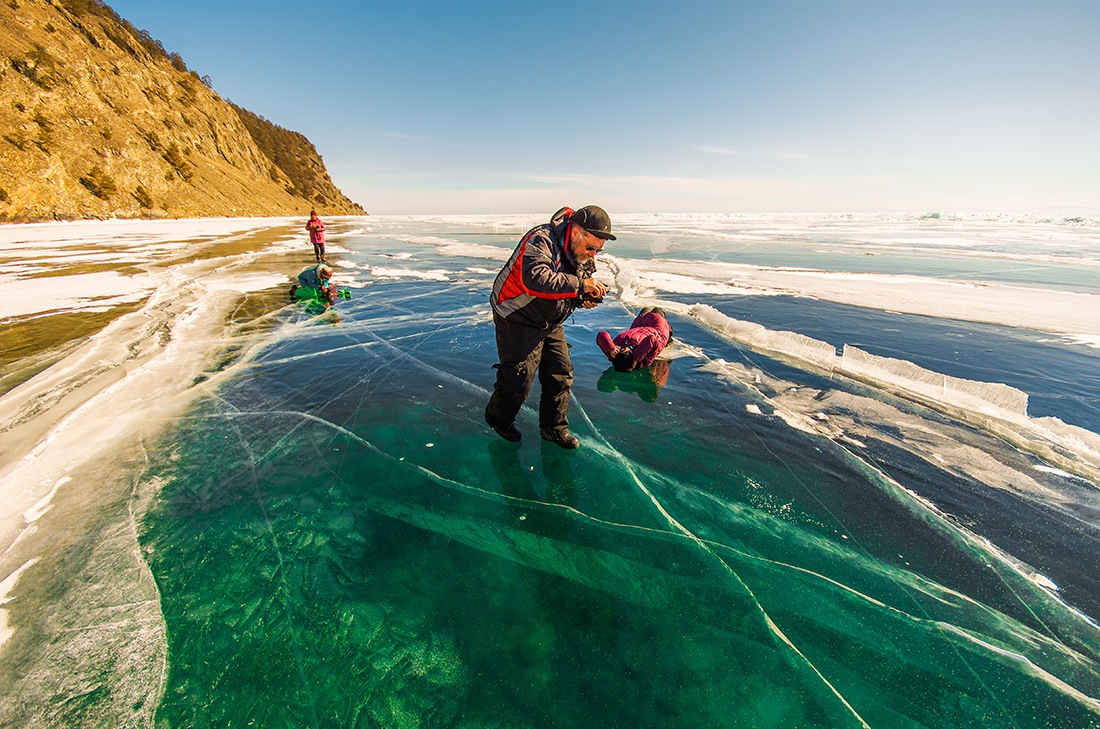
[[340, 541]]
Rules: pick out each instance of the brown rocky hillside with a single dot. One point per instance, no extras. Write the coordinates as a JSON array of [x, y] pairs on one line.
[[97, 120]]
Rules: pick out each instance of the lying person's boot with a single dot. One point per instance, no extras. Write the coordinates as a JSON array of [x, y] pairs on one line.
[[508, 431], [561, 436]]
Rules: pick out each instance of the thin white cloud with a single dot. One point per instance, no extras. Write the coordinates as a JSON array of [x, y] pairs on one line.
[[790, 155], [786, 155]]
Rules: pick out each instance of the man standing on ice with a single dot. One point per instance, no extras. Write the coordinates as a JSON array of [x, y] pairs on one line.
[[546, 278]]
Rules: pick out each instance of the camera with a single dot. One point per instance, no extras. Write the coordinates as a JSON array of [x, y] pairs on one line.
[[585, 297]]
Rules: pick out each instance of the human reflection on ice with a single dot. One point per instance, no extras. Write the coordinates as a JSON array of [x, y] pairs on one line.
[[504, 456], [558, 471], [319, 310], [556, 467], [645, 382], [325, 316]]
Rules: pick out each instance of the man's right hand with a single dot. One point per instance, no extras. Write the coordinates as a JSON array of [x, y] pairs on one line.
[[594, 288]]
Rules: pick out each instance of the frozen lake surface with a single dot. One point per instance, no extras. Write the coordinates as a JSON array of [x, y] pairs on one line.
[[867, 494]]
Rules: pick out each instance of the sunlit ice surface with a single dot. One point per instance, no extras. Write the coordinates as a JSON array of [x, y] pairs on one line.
[[810, 523]]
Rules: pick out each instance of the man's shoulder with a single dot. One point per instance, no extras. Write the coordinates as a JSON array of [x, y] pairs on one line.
[[541, 237], [544, 231]]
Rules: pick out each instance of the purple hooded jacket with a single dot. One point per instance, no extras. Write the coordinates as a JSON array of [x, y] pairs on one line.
[[316, 231], [647, 336]]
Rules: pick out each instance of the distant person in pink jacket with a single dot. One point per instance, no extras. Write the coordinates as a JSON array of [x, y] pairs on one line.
[[639, 345], [316, 235]]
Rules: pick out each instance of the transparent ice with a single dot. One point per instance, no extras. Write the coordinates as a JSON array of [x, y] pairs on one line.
[[783, 534]]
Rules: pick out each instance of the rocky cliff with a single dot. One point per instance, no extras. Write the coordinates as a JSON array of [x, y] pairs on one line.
[[97, 120]]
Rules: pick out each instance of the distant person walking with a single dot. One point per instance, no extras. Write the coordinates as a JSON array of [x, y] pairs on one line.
[[316, 235], [545, 279], [639, 345]]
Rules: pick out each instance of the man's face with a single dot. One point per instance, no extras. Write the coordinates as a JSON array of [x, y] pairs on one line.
[[585, 246]]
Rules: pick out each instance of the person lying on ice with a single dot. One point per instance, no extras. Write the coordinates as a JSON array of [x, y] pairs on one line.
[[639, 345]]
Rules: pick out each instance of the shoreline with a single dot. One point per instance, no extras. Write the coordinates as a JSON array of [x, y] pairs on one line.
[[170, 337], [73, 461]]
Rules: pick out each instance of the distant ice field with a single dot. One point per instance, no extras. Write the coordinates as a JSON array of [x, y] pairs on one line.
[[1043, 255]]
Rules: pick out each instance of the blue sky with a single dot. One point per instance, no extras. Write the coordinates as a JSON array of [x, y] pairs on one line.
[[697, 106]]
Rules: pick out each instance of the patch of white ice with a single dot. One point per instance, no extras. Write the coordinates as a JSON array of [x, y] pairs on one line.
[[37, 511], [5, 588], [431, 275], [87, 291]]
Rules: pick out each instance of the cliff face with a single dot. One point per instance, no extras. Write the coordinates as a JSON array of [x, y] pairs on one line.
[[97, 120]]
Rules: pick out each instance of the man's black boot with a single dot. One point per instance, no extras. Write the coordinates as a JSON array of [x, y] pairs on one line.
[[508, 432], [561, 436]]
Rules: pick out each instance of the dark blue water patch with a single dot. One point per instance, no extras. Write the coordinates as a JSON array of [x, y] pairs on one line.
[[1062, 546], [1061, 380], [929, 264]]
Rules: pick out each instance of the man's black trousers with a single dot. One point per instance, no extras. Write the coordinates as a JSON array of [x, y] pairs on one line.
[[524, 352]]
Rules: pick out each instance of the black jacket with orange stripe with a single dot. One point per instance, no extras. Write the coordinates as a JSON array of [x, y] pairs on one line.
[[541, 283]]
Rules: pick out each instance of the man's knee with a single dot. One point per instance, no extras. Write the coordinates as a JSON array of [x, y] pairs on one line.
[[513, 379], [557, 379]]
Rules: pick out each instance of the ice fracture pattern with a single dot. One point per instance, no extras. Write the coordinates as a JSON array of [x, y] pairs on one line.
[[786, 533]]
